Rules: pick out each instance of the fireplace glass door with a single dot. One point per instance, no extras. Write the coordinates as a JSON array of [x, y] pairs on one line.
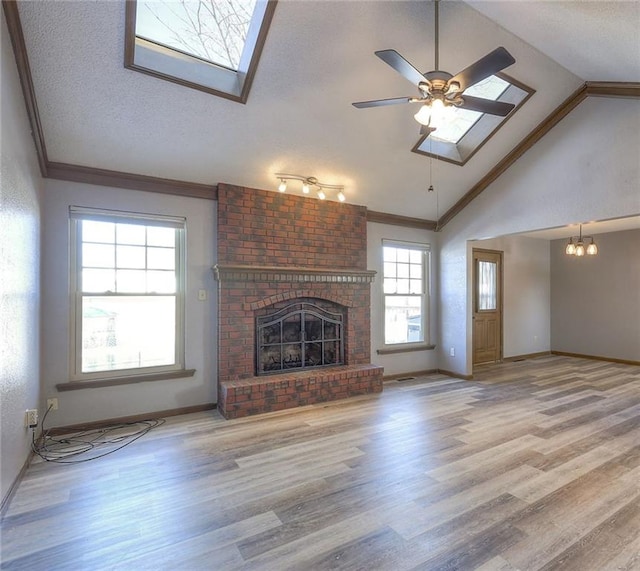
[[299, 336]]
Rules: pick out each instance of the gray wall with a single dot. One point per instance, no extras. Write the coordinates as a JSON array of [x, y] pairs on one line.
[[413, 361], [200, 320], [595, 300], [526, 296], [20, 185], [569, 176]]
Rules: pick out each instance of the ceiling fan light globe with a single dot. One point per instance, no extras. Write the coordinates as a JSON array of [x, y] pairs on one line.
[[423, 116], [592, 249], [580, 249]]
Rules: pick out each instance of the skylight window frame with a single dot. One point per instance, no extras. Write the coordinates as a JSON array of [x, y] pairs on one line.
[[161, 61], [482, 130]]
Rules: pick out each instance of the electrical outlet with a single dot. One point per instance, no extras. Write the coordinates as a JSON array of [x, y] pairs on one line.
[[31, 418], [52, 404], [452, 352], [202, 295]]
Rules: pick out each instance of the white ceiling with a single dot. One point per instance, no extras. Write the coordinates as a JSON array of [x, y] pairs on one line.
[[317, 60]]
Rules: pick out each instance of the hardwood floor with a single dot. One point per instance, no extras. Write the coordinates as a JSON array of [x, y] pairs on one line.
[[532, 465]]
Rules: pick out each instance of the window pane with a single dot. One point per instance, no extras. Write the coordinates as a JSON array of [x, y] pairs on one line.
[[403, 255], [389, 254], [487, 284], [416, 271], [403, 270], [131, 281], [161, 258], [130, 234], [93, 231], [127, 332], [415, 257], [158, 236], [161, 282], [131, 257], [415, 286], [389, 270], [98, 255], [98, 280], [403, 319], [389, 286], [402, 286]]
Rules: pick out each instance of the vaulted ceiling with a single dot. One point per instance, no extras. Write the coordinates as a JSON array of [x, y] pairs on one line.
[[317, 60]]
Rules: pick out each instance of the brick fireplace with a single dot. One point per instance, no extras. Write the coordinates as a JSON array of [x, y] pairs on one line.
[[276, 251]]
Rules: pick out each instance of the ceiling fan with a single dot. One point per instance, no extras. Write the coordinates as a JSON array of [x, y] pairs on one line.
[[441, 92]]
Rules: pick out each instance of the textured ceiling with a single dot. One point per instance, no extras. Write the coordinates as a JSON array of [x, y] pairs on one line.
[[318, 58]]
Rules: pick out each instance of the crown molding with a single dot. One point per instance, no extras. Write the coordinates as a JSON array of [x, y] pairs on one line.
[[16, 35], [397, 220], [132, 181], [119, 179]]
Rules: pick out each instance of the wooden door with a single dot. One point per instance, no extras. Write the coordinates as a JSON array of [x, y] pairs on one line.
[[487, 306]]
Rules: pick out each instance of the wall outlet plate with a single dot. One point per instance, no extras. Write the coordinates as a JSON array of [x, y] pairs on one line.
[[52, 403], [31, 418]]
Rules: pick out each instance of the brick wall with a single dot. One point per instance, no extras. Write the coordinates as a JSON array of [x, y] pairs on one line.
[[277, 229], [276, 247]]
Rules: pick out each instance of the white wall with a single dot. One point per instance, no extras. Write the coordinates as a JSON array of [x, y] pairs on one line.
[[20, 187], [586, 168], [93, 404], [526, 294], [414, 361], [595, 300]]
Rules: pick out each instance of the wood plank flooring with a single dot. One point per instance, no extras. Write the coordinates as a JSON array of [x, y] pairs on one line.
[[532, 465]]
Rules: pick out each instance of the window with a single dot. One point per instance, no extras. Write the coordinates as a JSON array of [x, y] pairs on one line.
[[127, 281], [405, 286], [467, 131], [208, 45]]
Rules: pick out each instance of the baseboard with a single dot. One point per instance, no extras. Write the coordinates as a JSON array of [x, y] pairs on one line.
[[526, 356], [408, 376], [134, 418], [597, 358], [14, 486], [455, 375]]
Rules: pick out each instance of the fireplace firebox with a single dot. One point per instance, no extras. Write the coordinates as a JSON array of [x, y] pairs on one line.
[[299, 336]]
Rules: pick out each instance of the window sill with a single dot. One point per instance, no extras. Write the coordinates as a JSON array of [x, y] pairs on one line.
[[114, 381], [405, 349]]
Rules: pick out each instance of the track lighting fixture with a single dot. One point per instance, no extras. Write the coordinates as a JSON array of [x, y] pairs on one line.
[[311, 181]]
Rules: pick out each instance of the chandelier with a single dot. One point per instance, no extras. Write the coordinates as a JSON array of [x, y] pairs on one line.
[[577, 248]]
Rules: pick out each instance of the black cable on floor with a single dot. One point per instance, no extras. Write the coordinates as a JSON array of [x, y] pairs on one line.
[[62, 450]]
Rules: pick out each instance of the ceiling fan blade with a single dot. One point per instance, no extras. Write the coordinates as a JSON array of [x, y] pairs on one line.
[[401, 65], [481, 105], [426, 130], [381, 102], [492, 63]]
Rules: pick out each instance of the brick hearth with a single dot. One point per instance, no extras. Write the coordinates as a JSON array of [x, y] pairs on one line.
[[273, 248]]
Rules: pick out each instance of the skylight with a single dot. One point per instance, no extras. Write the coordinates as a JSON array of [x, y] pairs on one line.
[[467, 131], [213, 31], [211, 45]]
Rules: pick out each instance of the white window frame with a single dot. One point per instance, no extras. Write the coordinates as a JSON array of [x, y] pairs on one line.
[[76, 216], [425, 249]]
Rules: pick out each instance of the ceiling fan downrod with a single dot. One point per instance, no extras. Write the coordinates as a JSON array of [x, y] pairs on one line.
[[437, 34]]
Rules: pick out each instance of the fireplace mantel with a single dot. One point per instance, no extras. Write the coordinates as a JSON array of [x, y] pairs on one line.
[[252, 273]]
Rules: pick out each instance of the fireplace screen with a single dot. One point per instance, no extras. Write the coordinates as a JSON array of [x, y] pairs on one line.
[[300, 336]]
